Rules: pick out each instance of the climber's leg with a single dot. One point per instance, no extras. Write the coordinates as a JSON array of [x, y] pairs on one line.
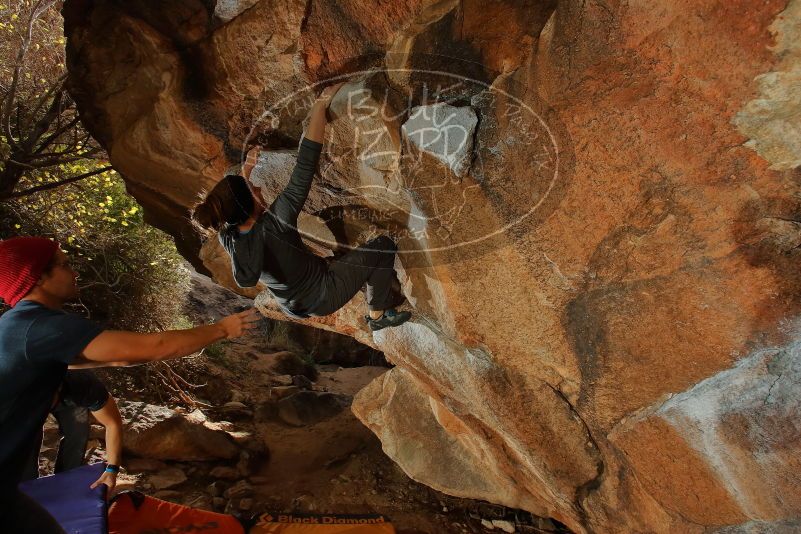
[[371, 263]]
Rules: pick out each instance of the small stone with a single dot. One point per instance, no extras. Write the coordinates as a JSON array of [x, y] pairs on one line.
[[223, 472], [199, 500], [302, 382], [282, 380], [303, 503], [167, 478], [241, 437], [488, 525], [196, 416], [125, 483], [216, 488], [238, 490], [225, 426], [545, 523], [250, 462], [506, 526], [445, 509]]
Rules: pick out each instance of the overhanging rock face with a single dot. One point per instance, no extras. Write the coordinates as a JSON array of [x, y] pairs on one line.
[[597, 210]]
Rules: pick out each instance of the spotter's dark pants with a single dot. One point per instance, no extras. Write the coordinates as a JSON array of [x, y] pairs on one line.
[[23, 515], [73, 425]]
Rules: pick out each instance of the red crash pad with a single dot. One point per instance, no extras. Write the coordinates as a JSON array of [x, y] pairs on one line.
[[135, 513]]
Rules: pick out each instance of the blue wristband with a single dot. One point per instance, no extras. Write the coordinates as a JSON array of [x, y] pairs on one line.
[[111, 468]]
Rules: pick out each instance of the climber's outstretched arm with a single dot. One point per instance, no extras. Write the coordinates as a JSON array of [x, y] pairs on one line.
[[289, 202], [316, 130]]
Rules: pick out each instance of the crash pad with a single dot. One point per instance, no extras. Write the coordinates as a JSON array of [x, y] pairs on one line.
[[66, 495]]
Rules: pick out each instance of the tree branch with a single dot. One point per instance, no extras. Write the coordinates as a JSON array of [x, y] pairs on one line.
[[8, 102], [53, 185], [58, 132]]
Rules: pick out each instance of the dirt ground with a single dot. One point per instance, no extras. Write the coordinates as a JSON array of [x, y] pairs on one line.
[[334, 466]]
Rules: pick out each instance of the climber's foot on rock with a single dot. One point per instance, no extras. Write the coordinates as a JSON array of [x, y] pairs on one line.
[[389, 318]]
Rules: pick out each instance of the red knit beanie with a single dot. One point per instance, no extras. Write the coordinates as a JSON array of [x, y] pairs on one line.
[[22, 262]]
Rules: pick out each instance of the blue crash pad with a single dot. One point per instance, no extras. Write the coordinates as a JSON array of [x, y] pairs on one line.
[[78, 509]]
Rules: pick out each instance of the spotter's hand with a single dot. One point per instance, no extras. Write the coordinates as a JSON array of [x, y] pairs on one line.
[[107, 478], [241, 323]]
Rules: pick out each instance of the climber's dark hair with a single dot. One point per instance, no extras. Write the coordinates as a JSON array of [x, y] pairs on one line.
[[229, 203]]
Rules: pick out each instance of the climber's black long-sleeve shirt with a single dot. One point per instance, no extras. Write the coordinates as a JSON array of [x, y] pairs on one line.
[[272, 251]]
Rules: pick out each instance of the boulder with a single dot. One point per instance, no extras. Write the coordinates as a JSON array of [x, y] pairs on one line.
[[280, 392], [266, 411], [605, 284], [310, 407], [289, 363], [157, 432]]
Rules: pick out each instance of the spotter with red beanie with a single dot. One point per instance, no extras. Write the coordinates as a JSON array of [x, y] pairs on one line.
[[39, 341]]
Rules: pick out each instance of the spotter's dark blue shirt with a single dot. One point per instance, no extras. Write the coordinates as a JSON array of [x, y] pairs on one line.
[[36, 346]]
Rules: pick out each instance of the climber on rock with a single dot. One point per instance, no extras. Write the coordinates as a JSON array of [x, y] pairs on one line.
[[264, 243], [38, 341]]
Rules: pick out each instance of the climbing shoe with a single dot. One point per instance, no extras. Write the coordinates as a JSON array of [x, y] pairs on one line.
[[390, 317]]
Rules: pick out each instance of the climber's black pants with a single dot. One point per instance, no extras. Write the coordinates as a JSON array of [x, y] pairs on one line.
[[371, 263]]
